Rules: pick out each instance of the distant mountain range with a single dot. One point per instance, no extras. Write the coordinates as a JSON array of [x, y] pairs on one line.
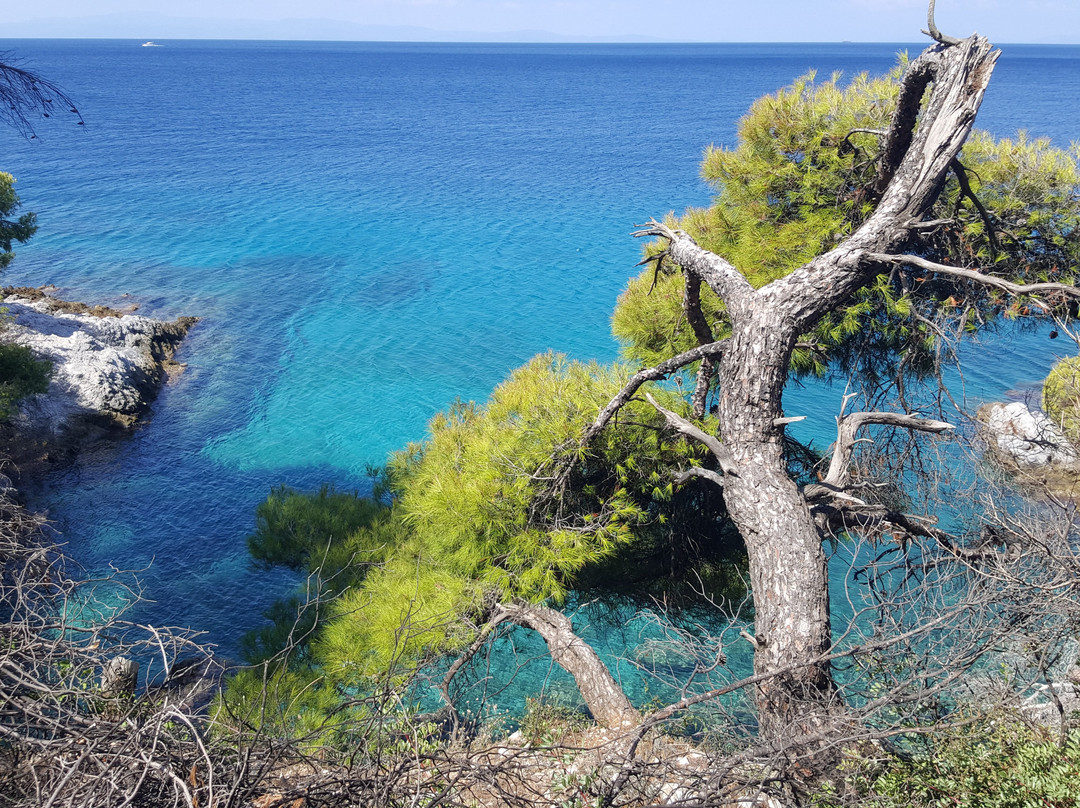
[[160, 26]]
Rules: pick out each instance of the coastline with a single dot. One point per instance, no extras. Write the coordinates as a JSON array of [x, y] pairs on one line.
[[108, 366]]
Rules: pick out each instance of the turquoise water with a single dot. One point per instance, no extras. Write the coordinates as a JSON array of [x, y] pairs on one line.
[[369, 231]]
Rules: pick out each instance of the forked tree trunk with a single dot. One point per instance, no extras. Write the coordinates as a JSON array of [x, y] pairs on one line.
[[787, 560], [940, 95]]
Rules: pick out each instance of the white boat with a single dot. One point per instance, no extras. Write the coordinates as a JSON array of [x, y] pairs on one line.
[[149, 44]]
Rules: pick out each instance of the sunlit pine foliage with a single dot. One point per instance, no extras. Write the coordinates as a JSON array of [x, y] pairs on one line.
[[798, 181], [473, 498], [12, 229]]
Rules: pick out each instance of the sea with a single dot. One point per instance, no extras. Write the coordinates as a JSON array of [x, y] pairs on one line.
[[369, 232]]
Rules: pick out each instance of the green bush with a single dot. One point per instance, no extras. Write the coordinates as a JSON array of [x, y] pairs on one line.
[[997, 762], [472, 500], [547, 722], [21, 374], [335, 538], [1061, 396], [328, 530]]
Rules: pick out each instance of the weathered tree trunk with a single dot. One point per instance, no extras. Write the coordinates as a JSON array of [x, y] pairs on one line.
[[605, 699], [787, 560]]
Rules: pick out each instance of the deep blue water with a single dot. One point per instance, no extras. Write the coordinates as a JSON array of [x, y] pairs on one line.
[[369, 231]]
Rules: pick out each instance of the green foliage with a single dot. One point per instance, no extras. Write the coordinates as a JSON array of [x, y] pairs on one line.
[[1030, 189], [547, 722], [335, 538], [798, 181], [408, 611], [329, 530], [474, 500], [21, 374], [793, 186], [292, 622], [998, 763], [1061, 396], [287, 704], [12, 230], [649, 319], [469, 493], [472, 520]]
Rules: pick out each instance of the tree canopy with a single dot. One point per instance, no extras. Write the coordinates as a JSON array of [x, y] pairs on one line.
[[800, 180], [470, 519], [12, 229], [26, 96]]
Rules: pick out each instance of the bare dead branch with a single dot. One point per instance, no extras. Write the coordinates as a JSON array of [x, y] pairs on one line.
[[960, 172], [483, 636], [848, 427], [974, 275], [606, 700], [684, 427], [793, 419], [933, 31], [864, 131], [902, 128], [724, 279], [704, 335], [914, 162], [661, 371], [702, 384], [696, 471]]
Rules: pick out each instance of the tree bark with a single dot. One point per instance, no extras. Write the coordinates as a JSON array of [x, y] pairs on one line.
[[788, 575], [787, 559], [603, 696]]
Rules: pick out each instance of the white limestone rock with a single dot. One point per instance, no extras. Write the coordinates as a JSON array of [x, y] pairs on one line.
[[107, 365], [1027, 438]]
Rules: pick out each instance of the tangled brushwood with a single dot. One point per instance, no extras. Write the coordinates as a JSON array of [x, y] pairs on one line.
[[97, 710], [94, 710]]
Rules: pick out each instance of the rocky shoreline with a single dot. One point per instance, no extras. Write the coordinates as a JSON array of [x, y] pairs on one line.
[[108, 365]]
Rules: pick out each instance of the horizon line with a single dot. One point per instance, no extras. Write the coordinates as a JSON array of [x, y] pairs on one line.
[[564, 40]]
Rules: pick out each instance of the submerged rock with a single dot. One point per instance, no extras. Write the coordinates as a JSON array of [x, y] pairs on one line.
[[107, 364]]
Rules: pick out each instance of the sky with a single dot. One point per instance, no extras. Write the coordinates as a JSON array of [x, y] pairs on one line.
[[1037, 21]]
